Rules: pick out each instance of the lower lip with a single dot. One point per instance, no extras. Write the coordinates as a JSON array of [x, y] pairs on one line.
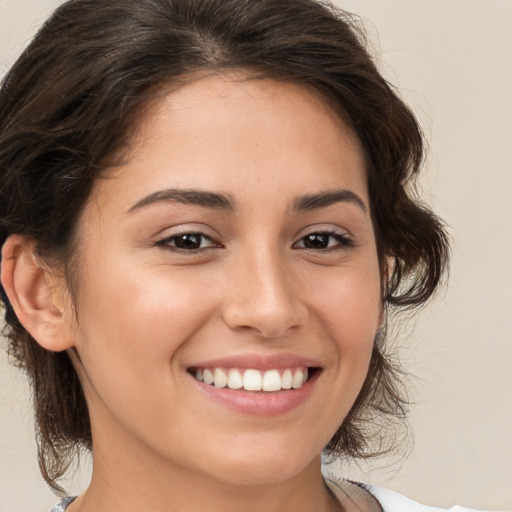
[[259, 403]]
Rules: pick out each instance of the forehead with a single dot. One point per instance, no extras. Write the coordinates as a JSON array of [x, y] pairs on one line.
[[225, 131]]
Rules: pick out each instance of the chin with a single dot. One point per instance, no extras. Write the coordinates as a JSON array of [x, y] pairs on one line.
[[262, 467], [255, 475]]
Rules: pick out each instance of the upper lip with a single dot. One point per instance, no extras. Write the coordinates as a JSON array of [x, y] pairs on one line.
[[258, 362]]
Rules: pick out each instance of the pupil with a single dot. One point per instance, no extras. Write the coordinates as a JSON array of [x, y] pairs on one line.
[[317, 241], [189, 241]]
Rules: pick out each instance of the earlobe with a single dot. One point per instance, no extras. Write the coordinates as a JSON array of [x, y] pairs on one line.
[[33, 293]]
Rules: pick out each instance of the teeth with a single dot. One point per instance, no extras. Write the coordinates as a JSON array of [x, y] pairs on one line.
[[219, 378], [207, 377], [298, 379], [286, 379], [235, 379], [271, 381], [253, 380]]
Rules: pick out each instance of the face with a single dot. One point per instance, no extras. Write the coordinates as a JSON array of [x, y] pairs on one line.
[[234, 245]]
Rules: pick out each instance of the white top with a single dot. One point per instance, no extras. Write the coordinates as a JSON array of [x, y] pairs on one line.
[[391, 501]]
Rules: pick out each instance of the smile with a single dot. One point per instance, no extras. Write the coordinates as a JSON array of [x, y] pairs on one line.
[[251, 379]]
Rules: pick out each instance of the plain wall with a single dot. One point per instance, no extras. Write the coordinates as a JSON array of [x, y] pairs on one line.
[[452, 61]]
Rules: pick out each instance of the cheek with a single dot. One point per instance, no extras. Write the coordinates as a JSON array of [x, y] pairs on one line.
[[129, 336], [137, 306], [346, 307], [132, 325], [349, 310], [349, 304]]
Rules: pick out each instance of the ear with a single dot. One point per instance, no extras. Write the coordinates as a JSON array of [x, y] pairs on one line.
[[36, 295]]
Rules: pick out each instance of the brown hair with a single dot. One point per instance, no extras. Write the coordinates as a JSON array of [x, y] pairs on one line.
[[67, 105]]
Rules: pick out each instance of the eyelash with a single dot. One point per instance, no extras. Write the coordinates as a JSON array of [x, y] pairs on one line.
[[343, 241], [166, 243]]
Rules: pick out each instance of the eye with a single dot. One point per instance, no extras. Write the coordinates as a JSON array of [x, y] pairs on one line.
[[324, 240], [193, 241]]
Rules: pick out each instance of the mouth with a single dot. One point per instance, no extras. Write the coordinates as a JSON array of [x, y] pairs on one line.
[[252, 379]]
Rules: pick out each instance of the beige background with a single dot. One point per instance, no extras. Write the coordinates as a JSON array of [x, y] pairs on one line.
[[452, 60]]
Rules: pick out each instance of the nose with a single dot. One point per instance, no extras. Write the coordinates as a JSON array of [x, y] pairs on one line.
[[262, 297]]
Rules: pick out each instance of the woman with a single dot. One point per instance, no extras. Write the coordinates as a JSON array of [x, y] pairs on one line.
[[205, 223]]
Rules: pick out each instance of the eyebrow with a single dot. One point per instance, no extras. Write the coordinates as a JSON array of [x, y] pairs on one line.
[[323, 199], [203, 198], [225, 202]]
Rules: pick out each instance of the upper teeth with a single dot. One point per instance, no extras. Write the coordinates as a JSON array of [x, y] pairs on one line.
[[253, 380]]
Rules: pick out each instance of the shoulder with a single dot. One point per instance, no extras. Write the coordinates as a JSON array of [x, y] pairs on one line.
[[389, 501], [393, 502]]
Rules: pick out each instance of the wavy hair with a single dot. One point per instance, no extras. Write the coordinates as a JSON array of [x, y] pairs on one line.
[[67, 106]]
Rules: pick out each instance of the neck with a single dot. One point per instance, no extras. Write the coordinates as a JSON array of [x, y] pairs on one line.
[[130, 480]]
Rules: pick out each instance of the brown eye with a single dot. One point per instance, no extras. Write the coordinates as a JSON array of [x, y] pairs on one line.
[[188, 242], [324, 241], [317, 241]]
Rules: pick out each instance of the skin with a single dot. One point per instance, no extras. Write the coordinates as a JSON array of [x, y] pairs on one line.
[[146, 312]]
